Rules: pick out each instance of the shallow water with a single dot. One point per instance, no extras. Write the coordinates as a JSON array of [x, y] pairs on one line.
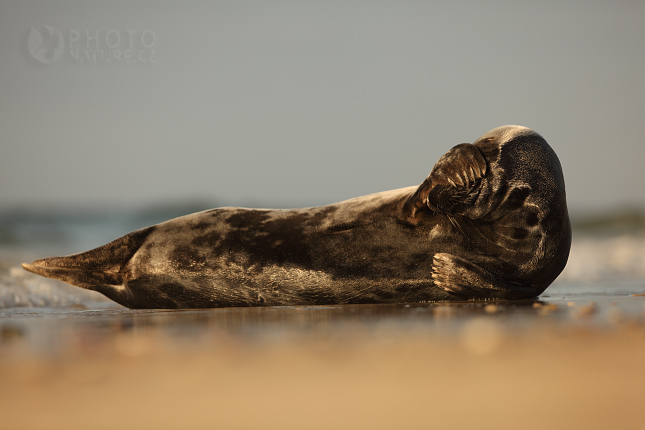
[[53, 331]]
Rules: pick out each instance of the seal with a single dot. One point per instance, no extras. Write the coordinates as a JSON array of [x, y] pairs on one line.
[[489, 222]]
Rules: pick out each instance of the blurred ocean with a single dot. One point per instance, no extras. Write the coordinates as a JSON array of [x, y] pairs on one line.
[[607, 254]]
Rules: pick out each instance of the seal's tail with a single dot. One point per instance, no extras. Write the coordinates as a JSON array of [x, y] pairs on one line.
[[92, 270]]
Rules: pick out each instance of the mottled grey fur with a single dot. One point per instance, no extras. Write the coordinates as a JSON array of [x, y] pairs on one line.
[[490, 221]]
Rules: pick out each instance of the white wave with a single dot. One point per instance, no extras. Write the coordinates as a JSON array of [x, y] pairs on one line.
[[594, 258]]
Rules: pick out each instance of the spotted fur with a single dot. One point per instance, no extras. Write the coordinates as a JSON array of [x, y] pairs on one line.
[[490, 221]]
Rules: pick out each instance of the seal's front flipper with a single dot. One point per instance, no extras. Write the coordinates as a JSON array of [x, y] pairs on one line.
[[451, 186], [469, 281]]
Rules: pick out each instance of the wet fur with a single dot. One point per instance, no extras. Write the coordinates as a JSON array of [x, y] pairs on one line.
[[490, 221]]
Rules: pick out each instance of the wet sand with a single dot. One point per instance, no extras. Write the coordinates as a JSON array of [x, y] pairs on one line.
[[573, 359]]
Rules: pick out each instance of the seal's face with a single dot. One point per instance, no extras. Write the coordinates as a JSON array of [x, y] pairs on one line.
[[490, 221]]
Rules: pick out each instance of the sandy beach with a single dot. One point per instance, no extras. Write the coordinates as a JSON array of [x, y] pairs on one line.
[[572, 359]]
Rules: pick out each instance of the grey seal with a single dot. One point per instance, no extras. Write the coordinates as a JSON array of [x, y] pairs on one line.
[[489, 222]]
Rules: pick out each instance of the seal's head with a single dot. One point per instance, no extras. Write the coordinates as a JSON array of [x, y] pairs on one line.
[[506, 190]]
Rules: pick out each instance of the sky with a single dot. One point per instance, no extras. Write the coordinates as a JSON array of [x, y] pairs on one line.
[[296, 103]]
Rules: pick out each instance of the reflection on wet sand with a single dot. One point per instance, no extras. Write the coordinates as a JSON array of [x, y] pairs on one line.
[[563, 361], [49, 333]]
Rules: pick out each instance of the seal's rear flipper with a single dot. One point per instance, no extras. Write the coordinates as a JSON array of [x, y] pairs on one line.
[[100, 269], [61, 268], [465, 279]]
